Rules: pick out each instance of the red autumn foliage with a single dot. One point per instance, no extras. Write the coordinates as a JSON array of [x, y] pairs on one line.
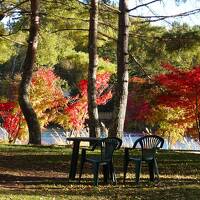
[[137, 108], [138, 104], [45, 74], [77, 107], [46, 97], [7, 106], [46, 82], [11, 119], [182, 89]]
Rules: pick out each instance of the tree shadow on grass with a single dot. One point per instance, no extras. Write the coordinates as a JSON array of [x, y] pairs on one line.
[[146, 190], [46, 174], [30, 180], [56, 163]]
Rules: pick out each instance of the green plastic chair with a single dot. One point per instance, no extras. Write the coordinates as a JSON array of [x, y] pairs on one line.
[[149, 145], [105, 159]]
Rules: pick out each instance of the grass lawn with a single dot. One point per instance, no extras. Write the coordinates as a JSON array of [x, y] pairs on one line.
[[32, 172]]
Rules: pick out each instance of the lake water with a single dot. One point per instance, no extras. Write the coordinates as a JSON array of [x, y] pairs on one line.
[[58, 137]]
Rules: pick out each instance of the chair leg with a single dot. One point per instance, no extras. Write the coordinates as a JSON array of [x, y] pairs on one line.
[[156, 168], [151, 170], [125, 169], [112, 173], [96, 174], [126, 161], [106, 173], [138, 171], [82, 163]]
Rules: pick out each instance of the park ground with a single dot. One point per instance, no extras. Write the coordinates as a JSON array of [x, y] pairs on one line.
[[41, 173]]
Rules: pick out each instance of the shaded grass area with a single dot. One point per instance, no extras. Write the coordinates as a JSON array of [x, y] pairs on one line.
[[34, 172]]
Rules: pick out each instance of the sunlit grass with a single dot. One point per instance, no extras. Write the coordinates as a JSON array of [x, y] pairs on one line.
[[34, 172]]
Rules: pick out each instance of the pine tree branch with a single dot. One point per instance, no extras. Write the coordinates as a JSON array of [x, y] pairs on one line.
[[70, 29], [83, 29], [107, 36], [13, 41], [14, 7], [71, 18]]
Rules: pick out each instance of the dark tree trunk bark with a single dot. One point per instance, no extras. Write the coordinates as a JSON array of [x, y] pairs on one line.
[[92, 70], [24, 102], [121, 87]]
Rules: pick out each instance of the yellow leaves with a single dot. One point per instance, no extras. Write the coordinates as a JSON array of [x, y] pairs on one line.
[[136, 79], [46, 96], [170, 122], [22, 134], [62, 120]]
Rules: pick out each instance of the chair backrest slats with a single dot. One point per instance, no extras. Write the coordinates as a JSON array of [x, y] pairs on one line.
[[149, 144], [109, 145]]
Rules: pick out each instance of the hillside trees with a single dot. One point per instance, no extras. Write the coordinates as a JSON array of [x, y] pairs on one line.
[[152, 45], [64, 31], [64, 36], [66, 24], [7, 49], [52, 41], [74, 67]]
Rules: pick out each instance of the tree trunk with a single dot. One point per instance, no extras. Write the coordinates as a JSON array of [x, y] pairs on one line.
[[121, 87], [92, 70], [24, 102], [197, 114]]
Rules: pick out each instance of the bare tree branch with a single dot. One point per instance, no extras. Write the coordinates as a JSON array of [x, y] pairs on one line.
[[110, 8], [156, 14], [142, 5], [161, 17], [85, 4], [139, 65]]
